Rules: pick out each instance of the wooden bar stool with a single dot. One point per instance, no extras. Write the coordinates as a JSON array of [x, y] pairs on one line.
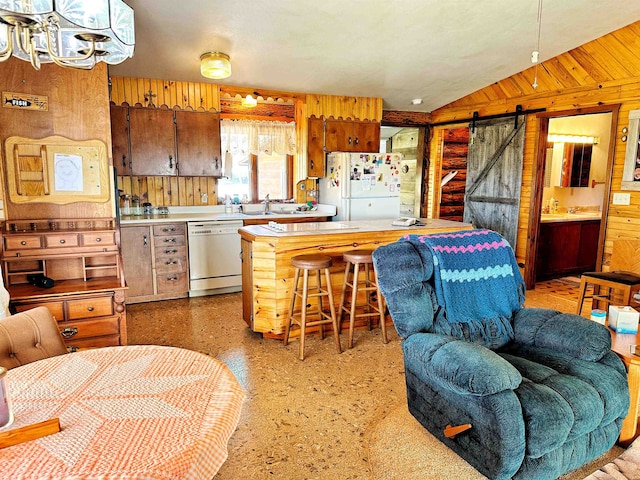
[[307, 263], [356, 258]]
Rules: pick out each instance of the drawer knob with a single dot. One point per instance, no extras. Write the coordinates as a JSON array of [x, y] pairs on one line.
[[23, 242], [69, 332], [172, 279], [62, 240], [169, 240], [90, 309], [171, 262], [171, 251], [98, 239], [172, 229]]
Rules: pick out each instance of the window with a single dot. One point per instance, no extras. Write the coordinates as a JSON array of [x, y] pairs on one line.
[[258, 159]]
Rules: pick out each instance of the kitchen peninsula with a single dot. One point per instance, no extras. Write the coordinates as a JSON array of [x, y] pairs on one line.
[[267, 274]]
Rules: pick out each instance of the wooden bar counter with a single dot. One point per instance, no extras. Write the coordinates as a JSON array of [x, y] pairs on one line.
[[267, 274]]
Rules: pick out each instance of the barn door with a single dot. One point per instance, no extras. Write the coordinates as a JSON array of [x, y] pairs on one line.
[[494, 176]]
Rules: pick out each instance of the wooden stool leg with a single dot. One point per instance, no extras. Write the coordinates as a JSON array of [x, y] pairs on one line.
[[354, 295], [303, 315], [287, 327], [367, 285], [334, 320], [583, 289], [343, 294], [319, 283], [383, 322]]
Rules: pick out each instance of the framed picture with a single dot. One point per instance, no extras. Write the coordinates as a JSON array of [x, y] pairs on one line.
[[631, 172]]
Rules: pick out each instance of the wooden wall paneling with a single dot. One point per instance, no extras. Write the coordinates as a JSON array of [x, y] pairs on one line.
[[78, 109]]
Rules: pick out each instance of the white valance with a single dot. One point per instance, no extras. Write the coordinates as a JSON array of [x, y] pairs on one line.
[[257, 136]]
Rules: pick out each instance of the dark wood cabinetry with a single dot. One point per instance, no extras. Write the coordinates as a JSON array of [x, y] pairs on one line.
[[82, 257], [152, 141], [566, 248], [331, 135]]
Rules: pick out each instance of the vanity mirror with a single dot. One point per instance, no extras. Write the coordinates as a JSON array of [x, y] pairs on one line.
[[568, 164], [631, 172]]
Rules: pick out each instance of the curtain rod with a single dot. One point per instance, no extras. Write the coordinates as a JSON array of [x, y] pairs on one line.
[[476, 117]]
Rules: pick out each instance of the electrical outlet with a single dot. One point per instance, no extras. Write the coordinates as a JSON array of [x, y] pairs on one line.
[[621, 198], [204, 197]]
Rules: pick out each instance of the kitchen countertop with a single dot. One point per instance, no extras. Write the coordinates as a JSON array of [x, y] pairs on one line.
[[569, 217], [200, 214], [315, 228]]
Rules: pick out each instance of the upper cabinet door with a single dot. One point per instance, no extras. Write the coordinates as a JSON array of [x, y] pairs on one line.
[[315, 149], [120, 140], [367, 137], [152, 134], [198, 144]]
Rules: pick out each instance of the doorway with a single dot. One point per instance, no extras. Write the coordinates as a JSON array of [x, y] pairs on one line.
[[569, 187]]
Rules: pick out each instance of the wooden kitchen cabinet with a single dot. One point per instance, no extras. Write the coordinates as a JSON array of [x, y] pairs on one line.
[[566, 248], [83, 259], [331, 135], [153, 142], [156, 255], [120, 140], [198, 144]]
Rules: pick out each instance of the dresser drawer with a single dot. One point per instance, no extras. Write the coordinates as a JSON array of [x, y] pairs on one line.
[[94, 342], [167, 251], [22, 242], [62, 240], [90, 328], [169, 229], [170, 263], [98, 239], [172, 283], [56, 308], [89, 308]]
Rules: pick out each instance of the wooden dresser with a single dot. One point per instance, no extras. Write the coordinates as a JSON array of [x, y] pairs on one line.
[[83, 259]]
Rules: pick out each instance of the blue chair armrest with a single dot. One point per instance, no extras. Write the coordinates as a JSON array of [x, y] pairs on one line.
[[461, 366], [563, 332]]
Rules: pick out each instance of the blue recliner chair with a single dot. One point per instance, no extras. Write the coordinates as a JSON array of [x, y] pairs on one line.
[[523, 393]]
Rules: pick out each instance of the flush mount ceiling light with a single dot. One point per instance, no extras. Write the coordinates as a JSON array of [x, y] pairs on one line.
[[416, 101], [215, 65], [70, 33]]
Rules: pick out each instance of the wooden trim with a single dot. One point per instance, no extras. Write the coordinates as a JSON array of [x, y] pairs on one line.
[[242, 116], [397, 118]]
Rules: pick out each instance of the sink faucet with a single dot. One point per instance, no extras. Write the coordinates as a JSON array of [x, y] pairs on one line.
[[266, 203]]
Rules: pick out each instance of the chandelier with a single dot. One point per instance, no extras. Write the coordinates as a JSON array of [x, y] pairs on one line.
[[69, 33]]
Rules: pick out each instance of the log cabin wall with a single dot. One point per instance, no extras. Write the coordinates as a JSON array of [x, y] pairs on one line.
[[455, 147], [78, 109], [187, 191], [605, 71]]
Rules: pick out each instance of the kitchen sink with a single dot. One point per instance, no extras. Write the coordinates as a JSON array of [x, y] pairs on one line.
[[258, 213]]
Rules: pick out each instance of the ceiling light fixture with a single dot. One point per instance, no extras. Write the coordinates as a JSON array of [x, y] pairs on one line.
[[215, 65], [249, 101], [70, 33], [416, 101], [536, 53]]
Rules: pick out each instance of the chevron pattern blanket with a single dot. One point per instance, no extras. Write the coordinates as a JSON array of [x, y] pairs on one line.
[[477, 283]]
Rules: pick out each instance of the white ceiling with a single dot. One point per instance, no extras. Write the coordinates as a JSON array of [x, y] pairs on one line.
[[395, 49]]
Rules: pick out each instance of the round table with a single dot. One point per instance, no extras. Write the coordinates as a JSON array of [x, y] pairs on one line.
[[129, 412]]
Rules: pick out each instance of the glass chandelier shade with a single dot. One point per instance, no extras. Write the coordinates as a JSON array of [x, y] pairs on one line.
[[70, 33], [215, 65]]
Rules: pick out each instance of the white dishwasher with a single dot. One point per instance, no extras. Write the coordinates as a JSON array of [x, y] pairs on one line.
[[215, 265]]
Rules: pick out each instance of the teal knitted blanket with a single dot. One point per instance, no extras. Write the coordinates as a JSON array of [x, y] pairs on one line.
[[477, 284]]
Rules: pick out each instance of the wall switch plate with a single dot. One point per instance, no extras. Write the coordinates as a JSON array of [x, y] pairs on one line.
[[621, 198]]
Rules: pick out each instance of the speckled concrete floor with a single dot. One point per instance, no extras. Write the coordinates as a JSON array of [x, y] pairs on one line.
[[302, 419]]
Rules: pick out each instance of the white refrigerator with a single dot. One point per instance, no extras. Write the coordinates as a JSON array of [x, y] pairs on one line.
[[362, 186]]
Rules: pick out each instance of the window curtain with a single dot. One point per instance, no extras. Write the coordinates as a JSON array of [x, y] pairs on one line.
[[255, 137]]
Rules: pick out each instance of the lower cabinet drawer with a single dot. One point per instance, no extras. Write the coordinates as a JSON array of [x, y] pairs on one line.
[[95, 342], [56, 308], [172, 282], [171, 264], [89, 308], [89, 328]]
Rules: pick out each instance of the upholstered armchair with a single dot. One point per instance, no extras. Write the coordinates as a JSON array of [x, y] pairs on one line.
[[29, 336], [520, 393]]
